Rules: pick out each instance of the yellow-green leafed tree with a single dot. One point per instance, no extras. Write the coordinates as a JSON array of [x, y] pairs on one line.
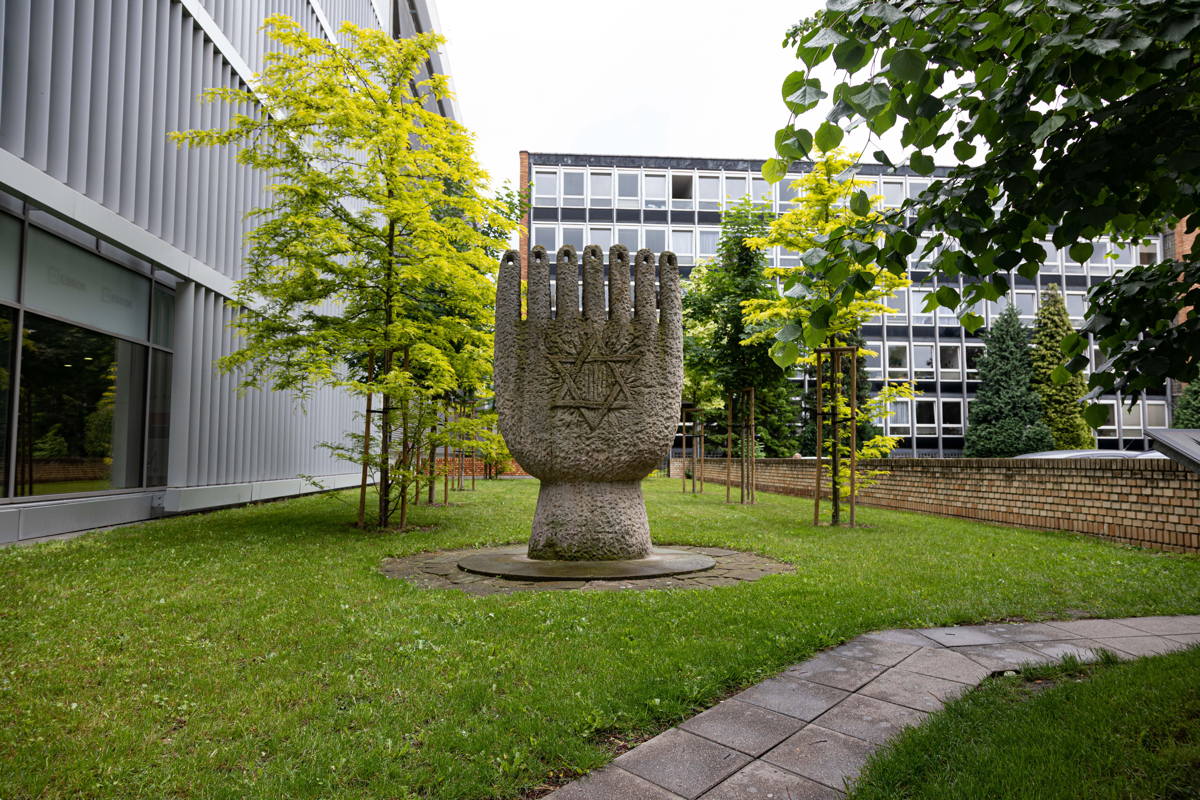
[[829, 198], [369, 267]]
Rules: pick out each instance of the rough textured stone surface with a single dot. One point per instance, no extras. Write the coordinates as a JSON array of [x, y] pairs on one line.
[[440, 570], [659, 562], [588, 398]]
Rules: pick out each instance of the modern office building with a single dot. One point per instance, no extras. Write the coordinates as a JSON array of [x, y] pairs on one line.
[[118, 256], [676, 204]]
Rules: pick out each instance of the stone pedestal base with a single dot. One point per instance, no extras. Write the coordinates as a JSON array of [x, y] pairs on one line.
[[587, 521], [512, 563]]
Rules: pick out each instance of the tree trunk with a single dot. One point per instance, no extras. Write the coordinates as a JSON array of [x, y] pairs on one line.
[[405, 454], [366, 456]]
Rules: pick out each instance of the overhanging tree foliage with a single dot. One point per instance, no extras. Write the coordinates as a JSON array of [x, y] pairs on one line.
[[714, 355], [1083, 117], [1006, 414], [1062, 403], [369, 269]]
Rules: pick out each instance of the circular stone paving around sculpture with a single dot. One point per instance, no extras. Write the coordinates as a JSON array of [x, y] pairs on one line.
[[514, 563], [440, 570]]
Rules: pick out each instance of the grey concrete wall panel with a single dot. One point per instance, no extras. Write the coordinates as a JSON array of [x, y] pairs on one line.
[[48, 519], [10, 524]]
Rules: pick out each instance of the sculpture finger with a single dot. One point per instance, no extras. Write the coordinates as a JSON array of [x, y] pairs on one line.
[[508, 291], [593, 284], [618, 282], [644, 301], [669, 311], [566, 284], [538, 302]]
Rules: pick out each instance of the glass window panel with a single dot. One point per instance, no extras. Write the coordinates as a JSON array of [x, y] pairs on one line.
[[628, 195], [1051, 253], [919, 315], [602, 238], [656, 240], [1148, 254], [897, 361], [973, 354], [158, 428], [901, 418], [1131, 419], [952, 416], [893, 193], [1099, 252], [1124, 255], [922, 360], [682, 243], [1156, 415], [926, 413], [788, 192], [1026, 303], [601, 189], [874, 361], [708, 242], [10, 255], [545, 187], [1076, 304], [709, 192], [82, 410], [681, 191], [735, 187], [898, 302], [73, 283], [950, 361], [162, 327], [573, 237], [762, 191], [629, 238], [656, 191], [1110, 423], [573, 184], [916, 187], [8, 319], [547, 237]]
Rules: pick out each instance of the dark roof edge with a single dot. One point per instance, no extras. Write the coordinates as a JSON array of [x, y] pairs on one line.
[[679, 162]]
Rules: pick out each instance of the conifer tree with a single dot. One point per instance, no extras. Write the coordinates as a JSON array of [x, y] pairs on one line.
[[1062, 404], [1187, 408], [1006, 415]]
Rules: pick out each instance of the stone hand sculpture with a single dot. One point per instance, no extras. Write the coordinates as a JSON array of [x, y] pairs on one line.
[[588, 399]]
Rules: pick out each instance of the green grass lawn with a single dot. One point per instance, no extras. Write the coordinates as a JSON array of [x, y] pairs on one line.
[[1098, 732], [257, 652]]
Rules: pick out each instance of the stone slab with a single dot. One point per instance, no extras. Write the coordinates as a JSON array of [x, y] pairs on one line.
[[1082, 649], [1001, 657], [1025, 632], [762, 781], [945, 663], [796, 698], [960, 635], [823, 755], [1142, 645], [683, 762], [911, 689], [515, 563], [875, 650], [612, 783], [1096, 628], [1165, 626], [745, 727], [841, 673], [869, 719]]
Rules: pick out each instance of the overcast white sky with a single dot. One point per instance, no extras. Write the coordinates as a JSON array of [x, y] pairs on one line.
[[626, 77]]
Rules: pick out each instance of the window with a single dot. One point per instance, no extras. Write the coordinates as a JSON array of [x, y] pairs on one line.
[[1052, 255], [898, 361], [10, 259], [629, 238], [158, 422], [545, 188], [735, 188], [1099, 253], [922, 361], [708, 242], [763, 195], [1131, 420], [602, 238], [572, 188], [1109, 428], [919, 315], [899, 304], [789, 193], [874, 361], [1156, 414], [916, 187], [973, 353], [893, 193], [901, 420], [950, 362], [681, 191], [83, 408], [1076, 304], [656, 240], [919, 258], [627, 190], [573, 237], [1026, 303], [1148, 253], [602, 196], [547, 237], [926, 417], [710, 193], [682, 244], [952, 417], [656, 191]]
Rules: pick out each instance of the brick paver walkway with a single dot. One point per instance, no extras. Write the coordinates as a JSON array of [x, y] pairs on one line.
[[804, 734]]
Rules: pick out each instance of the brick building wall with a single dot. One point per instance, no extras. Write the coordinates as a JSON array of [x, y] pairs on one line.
[[1148, 502]]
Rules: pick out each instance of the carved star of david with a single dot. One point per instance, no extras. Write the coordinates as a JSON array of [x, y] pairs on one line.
[[570, 368]]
